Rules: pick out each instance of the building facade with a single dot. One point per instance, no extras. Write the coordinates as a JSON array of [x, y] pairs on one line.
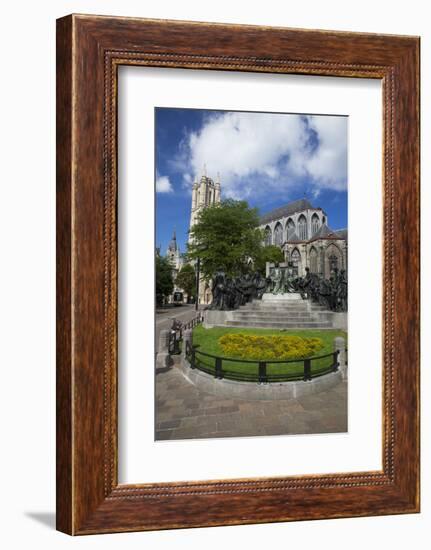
[[303, 233], [205, 192], [173, 254]]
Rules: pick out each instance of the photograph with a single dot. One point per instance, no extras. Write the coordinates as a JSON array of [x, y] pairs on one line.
[[213, 318], [251, 273]]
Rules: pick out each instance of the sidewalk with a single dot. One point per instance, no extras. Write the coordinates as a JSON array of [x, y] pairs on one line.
[[184, 412]]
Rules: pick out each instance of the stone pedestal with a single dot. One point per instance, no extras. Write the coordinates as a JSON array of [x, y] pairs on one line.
[[216, 318], [281, 298]]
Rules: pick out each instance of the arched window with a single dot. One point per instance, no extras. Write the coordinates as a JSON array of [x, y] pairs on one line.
[[295, 258], [315, 224], [302, 228], [268, 236], [313, 260], [290, 228], [333, 262], [278, 234], [333, 259]]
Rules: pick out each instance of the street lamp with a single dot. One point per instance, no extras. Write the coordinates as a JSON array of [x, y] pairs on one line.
[[198, 275]]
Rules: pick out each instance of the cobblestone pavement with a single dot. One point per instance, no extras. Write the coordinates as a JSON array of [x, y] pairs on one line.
[[184, 412]]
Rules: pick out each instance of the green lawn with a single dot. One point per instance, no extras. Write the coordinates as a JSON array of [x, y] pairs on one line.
[[207, 339]]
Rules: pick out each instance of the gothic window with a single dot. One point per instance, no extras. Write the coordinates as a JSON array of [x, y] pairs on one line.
[[333, 262], [313, 260], [302, 228], [314, 224], [278, 234], [333, 259], [295, 258], [290, 228], [268, 236]]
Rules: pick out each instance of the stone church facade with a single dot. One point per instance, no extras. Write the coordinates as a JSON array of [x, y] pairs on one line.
[[303, 233], [205, 192], [300, 229]]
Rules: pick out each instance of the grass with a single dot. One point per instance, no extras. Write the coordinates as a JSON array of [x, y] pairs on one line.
[[207, 339]]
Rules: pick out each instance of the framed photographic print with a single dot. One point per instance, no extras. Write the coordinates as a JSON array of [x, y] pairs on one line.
[[237, 274]]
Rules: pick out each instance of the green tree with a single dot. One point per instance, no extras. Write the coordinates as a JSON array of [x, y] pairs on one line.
[[164, 281], [269, 253], [186, 279], [226, 236]]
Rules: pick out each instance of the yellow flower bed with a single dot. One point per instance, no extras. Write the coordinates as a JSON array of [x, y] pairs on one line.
[[261, 348]]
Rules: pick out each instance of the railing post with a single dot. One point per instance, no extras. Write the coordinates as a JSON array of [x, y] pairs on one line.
[[340, 347], [176, 346], [263, 379], [335, 363], [307, 369], [218, 368], [193, 358], [187, 343]]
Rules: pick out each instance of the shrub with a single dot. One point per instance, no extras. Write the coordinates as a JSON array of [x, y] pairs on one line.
[[256, 347]]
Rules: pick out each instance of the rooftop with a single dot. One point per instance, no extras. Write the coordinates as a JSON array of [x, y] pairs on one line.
[[287, 210]]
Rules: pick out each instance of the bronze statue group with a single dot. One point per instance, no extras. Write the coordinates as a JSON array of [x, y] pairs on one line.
[[230, 293]]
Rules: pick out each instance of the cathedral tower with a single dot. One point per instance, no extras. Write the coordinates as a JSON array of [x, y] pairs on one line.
[[205, 193]]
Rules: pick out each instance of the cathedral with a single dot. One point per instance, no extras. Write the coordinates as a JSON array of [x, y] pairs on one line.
[[302, 231], [206, 192]]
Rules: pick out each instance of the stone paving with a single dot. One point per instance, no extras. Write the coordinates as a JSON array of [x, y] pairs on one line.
[[184, 412]]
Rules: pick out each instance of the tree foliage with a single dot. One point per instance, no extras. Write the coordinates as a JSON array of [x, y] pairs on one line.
[[269, 253], [164, 281], [226, 236], [186, 280]]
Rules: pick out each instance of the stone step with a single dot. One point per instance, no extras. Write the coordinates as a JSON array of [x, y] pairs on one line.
[[276, 318], [279, 324], [282, 314], [266, 306], [300, 303], [280, 309]]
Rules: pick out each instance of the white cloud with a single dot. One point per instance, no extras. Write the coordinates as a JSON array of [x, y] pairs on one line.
[[163, 185], [258, 153], [328, 165]]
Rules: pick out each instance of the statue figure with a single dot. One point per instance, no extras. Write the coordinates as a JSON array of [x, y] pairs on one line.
[[325, 293], [290, 281], [259, 285], [277, 278], [269, 285], [219, 290], [303, 284], [238, 296]]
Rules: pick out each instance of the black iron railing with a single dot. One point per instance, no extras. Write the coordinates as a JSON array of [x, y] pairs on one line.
[[262, 372], [194, 322], [176, 333]]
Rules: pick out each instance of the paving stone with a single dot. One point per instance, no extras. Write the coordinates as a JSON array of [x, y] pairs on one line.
[[184, 412]]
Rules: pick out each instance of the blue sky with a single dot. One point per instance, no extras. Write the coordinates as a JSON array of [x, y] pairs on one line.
[[267, 159]]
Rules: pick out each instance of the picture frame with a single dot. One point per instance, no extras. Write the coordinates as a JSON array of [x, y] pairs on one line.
[[89, 51]]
